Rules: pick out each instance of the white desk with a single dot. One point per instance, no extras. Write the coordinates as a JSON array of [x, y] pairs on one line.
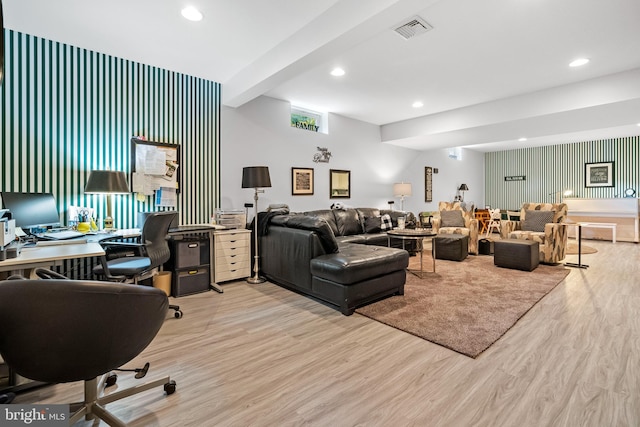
[[47, 256]]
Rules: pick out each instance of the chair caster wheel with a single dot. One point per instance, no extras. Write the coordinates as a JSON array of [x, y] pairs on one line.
[[177, 314], [170, 387], [111, 380]]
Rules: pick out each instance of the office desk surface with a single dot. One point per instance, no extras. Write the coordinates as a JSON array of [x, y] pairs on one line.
[[31, 257]]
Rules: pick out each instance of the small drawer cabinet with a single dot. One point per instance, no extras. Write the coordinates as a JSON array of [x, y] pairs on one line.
[[232, 251], [189, 264]]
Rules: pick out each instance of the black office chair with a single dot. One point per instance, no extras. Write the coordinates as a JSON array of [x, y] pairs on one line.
[[136, 261], [59, 331]]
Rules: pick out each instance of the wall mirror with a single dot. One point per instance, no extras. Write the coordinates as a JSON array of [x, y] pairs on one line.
[[339, 184]]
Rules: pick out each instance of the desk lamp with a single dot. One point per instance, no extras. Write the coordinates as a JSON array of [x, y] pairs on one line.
[[560, 194], [256, 177], [402, 190], [107, 182]]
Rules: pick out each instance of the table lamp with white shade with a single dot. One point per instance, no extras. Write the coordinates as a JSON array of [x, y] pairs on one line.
[[402, 190]]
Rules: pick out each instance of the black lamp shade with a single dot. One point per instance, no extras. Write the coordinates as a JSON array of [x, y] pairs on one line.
[[256, 177], [463, 187], [101, 181]]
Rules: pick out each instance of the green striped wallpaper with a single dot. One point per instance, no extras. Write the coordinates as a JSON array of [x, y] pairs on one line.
[[66, 111], [559, 167]]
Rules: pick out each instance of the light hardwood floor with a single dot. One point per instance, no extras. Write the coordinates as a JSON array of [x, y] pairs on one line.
[[259, 355]]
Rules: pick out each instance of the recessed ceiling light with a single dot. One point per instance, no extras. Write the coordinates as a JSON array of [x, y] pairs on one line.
[[579, 62], [522, 139], [191, 13], [417, 104], [337, 72]]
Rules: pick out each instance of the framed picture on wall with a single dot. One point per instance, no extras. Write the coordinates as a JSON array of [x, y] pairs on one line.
[[599, 174], [301, 181], [428, 184], [339, 184]]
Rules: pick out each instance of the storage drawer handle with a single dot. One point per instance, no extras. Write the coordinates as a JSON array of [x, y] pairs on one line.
[[193, 245], [193, 271]]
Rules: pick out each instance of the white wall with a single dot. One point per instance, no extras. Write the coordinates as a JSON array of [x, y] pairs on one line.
[[258, 134]]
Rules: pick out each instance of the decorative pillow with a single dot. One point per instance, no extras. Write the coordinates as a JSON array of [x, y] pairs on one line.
[[385, 222], [535, 220], [451, 219], [372, 224]]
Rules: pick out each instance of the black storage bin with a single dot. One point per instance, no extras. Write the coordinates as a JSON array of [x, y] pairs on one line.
[[189, 253], [485, 247], [190, 281]]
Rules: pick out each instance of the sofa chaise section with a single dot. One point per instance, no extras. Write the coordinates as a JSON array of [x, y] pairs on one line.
[[301, 253]]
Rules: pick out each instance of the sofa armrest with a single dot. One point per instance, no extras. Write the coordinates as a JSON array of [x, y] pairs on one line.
[[555, 242], [435, 224], [507, 226]]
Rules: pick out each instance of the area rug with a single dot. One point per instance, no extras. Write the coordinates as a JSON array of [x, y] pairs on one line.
[[465, 306], [572, 248]]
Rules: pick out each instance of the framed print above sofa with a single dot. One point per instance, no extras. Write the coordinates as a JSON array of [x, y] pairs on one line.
[[301, 181]]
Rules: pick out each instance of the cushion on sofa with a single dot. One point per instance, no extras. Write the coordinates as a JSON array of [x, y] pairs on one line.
[[317, 224], [364, 213], [535, 220], [385, 222], [451, 219], [348, 222], [355, 263], [327, 215], [372, 225]]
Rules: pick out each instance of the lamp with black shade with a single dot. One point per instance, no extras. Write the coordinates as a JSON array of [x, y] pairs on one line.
[[107, 182], [402, 190], [462, 189], [256, 177]]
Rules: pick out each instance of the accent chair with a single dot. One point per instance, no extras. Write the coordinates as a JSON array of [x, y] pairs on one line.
[[540, 222], [450, 223]]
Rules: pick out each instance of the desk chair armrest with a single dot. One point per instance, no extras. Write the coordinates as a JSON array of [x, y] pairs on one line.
[[114, 248], [107, 274]]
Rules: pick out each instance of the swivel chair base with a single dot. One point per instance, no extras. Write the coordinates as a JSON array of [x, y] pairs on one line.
[[94, 401], [178, 312]]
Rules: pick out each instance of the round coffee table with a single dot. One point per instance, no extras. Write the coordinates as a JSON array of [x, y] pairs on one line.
[[418, 235]]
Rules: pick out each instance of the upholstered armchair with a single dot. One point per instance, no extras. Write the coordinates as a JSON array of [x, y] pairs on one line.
[[540, 222], [449, 223]]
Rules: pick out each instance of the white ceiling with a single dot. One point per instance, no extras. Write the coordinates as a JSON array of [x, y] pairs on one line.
[[488, 73]]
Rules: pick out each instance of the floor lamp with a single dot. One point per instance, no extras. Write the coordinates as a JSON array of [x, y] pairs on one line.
[[402, 190], [107, 182], [256, 177]]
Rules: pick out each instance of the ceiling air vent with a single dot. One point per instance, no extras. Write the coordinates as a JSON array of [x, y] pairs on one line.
[[414, 27]]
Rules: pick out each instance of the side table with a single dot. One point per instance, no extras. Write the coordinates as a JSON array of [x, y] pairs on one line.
[[418, 235]]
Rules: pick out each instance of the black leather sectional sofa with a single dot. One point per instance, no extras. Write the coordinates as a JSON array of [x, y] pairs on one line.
[[328, 255]]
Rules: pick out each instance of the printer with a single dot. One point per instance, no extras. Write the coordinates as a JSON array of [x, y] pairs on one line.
[[8, 228]]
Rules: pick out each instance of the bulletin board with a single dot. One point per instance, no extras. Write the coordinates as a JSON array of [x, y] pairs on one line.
[[154, 170]]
